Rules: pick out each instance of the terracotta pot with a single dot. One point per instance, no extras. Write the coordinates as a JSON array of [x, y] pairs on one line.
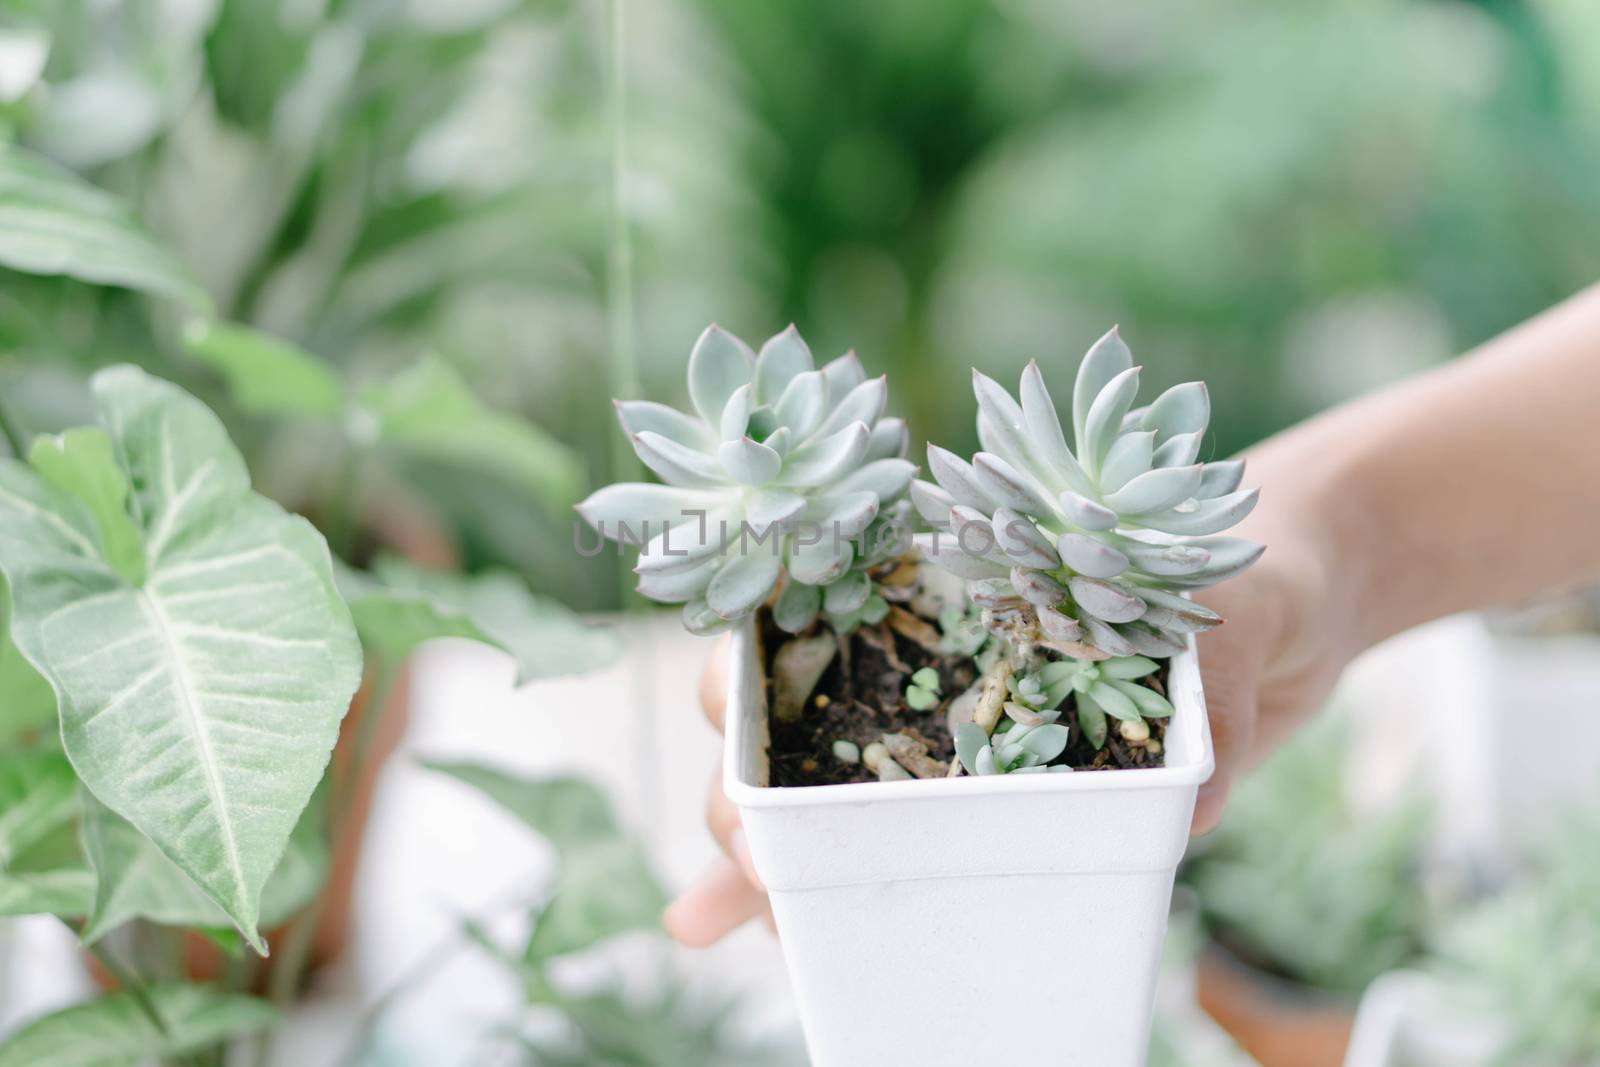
[[1279, 1022]]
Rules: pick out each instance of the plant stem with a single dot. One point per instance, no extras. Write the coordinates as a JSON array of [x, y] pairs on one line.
[[127, 979], [12, 434]]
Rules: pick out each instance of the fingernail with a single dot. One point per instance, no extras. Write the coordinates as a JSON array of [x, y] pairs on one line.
[[739, 845]]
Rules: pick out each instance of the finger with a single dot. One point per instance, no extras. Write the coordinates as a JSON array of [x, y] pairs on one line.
[[714, 682], [721, 902], [1231, 670], [722, 816]]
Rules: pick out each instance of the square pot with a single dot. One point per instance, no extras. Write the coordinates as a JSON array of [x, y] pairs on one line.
[[1012, 919]]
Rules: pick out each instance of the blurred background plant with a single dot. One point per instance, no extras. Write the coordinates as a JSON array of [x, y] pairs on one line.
[[1304, 882], [1294, 203]]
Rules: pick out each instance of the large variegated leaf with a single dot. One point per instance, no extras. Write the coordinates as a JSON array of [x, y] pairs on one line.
[[53, 222], [135, 879], [201, 705], [114, 1030], [400, 606]]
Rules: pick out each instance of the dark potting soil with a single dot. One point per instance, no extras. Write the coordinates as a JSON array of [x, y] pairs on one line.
[[861, 697]]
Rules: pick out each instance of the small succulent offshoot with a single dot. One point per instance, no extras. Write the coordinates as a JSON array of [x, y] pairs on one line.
[[923, 692]]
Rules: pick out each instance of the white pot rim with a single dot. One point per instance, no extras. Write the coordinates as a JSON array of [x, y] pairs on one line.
[[1191, 758]]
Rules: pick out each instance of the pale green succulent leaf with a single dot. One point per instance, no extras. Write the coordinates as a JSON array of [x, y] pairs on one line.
[[267, 375], [1005, 484], [429, 411], [1022, 542], [1046, 741], [782, 359], [676, 464], [797, 607], [848, 594], [842, 375], [679, 585], [824, 460], [1127, 667], [1104, 421], [719, 363], [1106, 601], [1151, 704], [1089, 556], [970, 741], [1164, 560], [749, 462], [956, 477], [821, 562], [1183, 409], [932, 503], [1106, 358], [1155, 491], [1221, 478], [1087, 514], [639, 510], [862, 404], [1114, 701], [1092, 719], [637, 416], [886, 479], [113, 1030], [203, 705], [1045, 434], [1179, 451], [944, 549], [889, 440], [735, 419], [803, 403], [53, 222], [744, 582], [700, 620], [1131, 455], [1206, 516]]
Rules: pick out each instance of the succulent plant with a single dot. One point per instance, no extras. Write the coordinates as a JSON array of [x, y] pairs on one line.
[[1100, 688], [961, 630], [1018, 749], [782, 470], [1089, 549], [923, 692]]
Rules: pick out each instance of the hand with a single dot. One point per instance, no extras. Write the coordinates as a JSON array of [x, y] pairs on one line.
[[730, 894]]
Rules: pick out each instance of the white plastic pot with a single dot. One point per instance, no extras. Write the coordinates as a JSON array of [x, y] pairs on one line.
[[1012, 920], [1406, 1019]]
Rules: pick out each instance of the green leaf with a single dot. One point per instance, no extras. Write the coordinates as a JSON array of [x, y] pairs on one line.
[[603, 889], [114, 1031], [266, 375], [27, 703], [401, 605], [137, 881], [203, 705], [429, 411], [80, 462], [65, 891], [38, 795], [570, 813], [53, 222]]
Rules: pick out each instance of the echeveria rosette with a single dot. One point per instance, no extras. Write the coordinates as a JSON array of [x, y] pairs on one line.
[[1089, 548], [781, 470]]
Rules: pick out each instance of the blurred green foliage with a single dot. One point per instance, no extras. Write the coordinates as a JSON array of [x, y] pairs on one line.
[[1310, 882], [1295, 202]]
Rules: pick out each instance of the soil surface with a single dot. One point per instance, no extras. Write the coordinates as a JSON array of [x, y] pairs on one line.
[[861, 697]]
